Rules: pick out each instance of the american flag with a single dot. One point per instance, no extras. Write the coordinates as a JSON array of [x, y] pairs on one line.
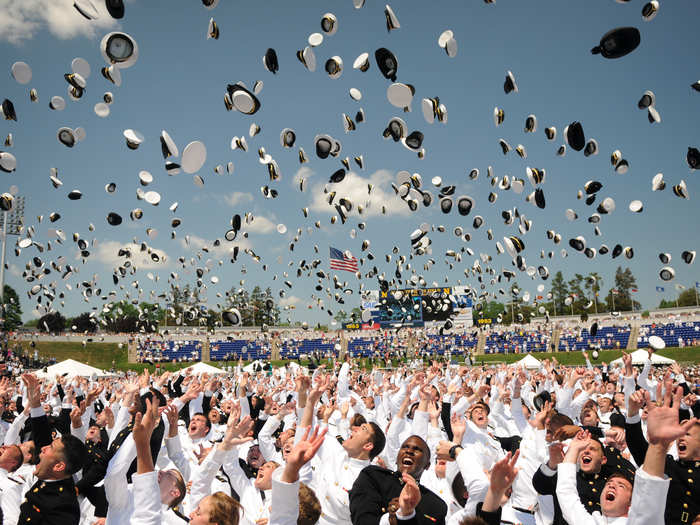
[[340, 262]]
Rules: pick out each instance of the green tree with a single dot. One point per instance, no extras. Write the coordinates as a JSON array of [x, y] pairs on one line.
[[83, 323], [577, 295], [684, 298], [559, 292], [12, 310], [356, 314], [625, 282], [53, 323], [490, 310], [593, 284], [340, 316]]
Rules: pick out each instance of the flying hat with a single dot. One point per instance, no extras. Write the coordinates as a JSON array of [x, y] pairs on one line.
[[550, 132], [114, 219], [636, 206], [509, 85], [658, 183], [315, 39], [167, 145], [87, 9], [213, 30], [505, 147], [413, 141], [391, 21], [618, 42], [115, 8], [8, 162], [242, 99], [233, 316], [447, 41], [21, 72], [7, 110], [667, 273], [329, 24], [387, 63], [119, 49], [395, 129], [530, 124], [648, 99], [101, 110], [695, 85], [465, 205], [66, 137], [361, 62], [591, 148], [133, 138], [400, 95], [650, 10], [681, 190], [112, 74], [287, 138], [653, 115], [573, 134], [193, 157], [592, 186], [307, 57], [688, 256], [665, 258], [270, 61], [656, 343], [498, 116], [693, 158], [334, 67]]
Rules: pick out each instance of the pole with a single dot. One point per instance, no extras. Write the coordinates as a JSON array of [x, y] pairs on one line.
[[613, 299], [2, 265], [595, 301]]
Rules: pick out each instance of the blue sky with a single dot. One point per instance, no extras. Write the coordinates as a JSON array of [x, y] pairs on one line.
[[180, 78]]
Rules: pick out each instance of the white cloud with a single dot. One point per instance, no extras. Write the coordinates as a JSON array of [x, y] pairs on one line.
[[260, 224], [224, 249], [107, 253], [303, 173], [354, 188], [238, 197], [20, 20], [290, 300]]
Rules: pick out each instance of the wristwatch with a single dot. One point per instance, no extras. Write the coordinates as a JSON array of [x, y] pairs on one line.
[[453, 451]]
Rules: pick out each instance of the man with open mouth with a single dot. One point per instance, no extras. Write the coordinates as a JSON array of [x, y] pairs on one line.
[[382, 497], [683, 501], [625, 499]]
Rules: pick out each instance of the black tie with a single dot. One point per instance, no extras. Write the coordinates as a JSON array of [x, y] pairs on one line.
[[262, 495]]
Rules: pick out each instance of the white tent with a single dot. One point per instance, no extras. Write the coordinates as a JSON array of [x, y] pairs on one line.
[[204, 368], [528, 362], [71, 368], [639, 357]]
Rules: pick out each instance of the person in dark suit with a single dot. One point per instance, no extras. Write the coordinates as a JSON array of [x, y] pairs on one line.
[[378, 491], [52, 499]]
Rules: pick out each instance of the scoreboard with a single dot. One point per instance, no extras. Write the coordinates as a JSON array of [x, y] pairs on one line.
[[418, 306]]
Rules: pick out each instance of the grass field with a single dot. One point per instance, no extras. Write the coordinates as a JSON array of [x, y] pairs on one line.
[[103, 355]]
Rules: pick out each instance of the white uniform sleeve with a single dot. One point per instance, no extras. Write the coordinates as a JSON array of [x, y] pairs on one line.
[[147, 508], [265, 440], [174, 447], [285, 503], [116, 488], [648, 492], [571, 507]]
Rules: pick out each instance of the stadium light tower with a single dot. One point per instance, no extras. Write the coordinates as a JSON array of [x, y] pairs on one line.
[[12, 224]]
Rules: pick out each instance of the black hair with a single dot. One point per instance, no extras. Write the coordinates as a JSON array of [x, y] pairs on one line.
[[74, 453], [378, 440]]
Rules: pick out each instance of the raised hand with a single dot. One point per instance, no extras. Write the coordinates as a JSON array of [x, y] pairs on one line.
[[171, 414], [662, 421], [635, 402], [504, 472], [576, 446], [556, 455], [76, 415], [459, 427], [627, 361], [301, 454], [410, 495], [237, 434], [33, 389], [145, 423]]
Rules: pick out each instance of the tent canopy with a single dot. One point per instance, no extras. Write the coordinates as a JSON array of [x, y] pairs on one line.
[[204, 368], [639, 357], [71, 368], [529, 362]]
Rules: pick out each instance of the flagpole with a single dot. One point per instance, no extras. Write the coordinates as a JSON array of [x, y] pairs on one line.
[[696, 293]]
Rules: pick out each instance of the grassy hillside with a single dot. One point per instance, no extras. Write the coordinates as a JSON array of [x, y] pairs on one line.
[[101, 355]]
